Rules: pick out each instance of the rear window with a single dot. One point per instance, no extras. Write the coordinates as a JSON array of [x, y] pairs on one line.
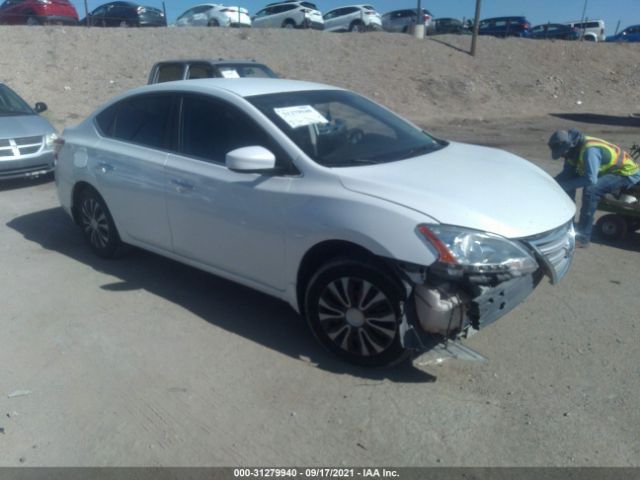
[[169, 73], [141, 120], [587, 25]]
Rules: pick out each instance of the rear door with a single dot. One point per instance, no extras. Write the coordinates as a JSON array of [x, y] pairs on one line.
[[200, 17], [228, 221], [129, 165]]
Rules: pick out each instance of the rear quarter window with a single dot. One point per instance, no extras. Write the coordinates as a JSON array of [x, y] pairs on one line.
[[169, 73]]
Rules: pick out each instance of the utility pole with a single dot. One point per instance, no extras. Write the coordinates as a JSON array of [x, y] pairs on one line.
[[584, 12], [476, 22], [419, 28]]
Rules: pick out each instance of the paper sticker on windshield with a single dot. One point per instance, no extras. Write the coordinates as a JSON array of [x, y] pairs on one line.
[[300, 116], [229, 73]]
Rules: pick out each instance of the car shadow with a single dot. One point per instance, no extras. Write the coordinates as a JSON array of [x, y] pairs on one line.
[[631, 242], [613, 120], [15, 183], [225, 304], [446, 44]]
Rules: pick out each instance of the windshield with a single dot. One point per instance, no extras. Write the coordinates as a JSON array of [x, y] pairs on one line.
[[250, 71], [12, 104], [336, 128]]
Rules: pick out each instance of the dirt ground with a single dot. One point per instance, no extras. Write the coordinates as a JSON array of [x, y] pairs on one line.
[[143, 361]]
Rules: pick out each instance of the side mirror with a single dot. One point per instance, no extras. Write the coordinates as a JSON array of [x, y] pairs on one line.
[[40, 107], [253, 159]]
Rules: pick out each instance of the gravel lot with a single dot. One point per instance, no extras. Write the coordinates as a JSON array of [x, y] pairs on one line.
[[143, 361]]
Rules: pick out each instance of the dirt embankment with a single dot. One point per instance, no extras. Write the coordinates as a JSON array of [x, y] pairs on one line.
[[75, 69]]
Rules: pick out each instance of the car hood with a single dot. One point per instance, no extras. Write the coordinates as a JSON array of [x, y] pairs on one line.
[[15, 126], [469, 186]]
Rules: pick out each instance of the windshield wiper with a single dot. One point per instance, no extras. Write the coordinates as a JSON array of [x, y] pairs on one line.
[[414, 152], [11, 114]]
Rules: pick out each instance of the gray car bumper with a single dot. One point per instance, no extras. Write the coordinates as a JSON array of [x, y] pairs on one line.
[[31, 166]]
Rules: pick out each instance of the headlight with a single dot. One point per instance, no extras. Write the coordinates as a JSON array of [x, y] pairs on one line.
[[476, 252], [49, 141]]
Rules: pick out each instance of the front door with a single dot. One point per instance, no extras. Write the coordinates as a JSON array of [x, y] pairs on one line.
[[234, 222]]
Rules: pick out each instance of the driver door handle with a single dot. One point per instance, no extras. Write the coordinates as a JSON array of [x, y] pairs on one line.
[[182, 186]]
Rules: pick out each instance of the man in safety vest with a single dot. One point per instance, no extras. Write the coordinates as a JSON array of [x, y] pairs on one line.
[[596, 165]]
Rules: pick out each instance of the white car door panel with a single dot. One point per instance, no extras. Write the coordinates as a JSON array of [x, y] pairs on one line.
[[228, 220]]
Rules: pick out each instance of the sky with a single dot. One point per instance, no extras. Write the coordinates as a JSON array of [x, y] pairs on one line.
[[536, 11]]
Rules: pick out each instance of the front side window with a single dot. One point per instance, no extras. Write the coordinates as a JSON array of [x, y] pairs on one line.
[[142, 120], [336, 128], [211, 129], [187, 14], [12, 104]]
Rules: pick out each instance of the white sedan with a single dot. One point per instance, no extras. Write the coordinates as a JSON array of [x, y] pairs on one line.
[[386, 239]]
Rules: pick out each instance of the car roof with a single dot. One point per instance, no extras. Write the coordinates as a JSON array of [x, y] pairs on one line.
[[213, 61], [359, 5], [243, 87], [590, 20]]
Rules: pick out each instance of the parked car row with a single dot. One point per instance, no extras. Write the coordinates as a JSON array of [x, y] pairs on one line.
[[280, 14], [300, 14]]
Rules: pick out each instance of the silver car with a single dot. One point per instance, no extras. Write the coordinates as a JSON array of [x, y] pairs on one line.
[[26, 138], [386, 239]]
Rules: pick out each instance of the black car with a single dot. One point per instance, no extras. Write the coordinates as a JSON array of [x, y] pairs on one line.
[[445, 25], [125, 14], [516, 26], [554, 31], [171, 70]]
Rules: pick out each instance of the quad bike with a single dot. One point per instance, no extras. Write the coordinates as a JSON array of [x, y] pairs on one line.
[[624, 209]]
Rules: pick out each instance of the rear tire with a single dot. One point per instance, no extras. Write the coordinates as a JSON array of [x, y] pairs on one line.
[[353, 309], [288, 24], [612, 227], [97, 225], [357, 27]]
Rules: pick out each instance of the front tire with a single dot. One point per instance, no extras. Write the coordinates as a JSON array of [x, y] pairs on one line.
[[353, 309], [97, 225], [213, 23], [288, 24]]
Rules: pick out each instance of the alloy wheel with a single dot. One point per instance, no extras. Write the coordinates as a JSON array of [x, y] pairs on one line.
[[94, 223], [357, 316]]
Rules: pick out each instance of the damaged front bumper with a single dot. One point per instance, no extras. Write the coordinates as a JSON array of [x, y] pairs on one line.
[[439, 310]]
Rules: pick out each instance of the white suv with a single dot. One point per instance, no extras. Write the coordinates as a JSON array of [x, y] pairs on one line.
[[214, 15], [354, 18], [289, 14], [591, 30]]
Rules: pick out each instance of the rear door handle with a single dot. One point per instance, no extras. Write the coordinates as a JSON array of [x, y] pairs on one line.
[[182, 186]]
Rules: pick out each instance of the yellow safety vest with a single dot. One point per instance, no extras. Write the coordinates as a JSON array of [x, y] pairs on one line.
[[620, 162]]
